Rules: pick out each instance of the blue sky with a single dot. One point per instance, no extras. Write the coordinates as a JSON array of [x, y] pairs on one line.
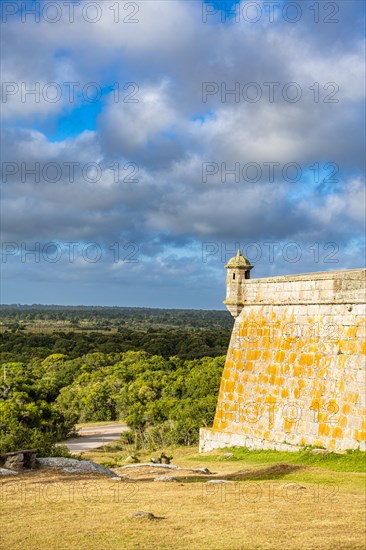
[[165, 134]]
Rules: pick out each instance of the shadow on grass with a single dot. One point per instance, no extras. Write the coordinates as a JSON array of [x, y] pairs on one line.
[[276, 471]]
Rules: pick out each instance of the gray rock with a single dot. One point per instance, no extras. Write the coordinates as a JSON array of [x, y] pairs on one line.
[[319, 452], [166, 466], [165, 478], [73, 466], [201, 470], [228, 455], [14, 462], [6, 472]]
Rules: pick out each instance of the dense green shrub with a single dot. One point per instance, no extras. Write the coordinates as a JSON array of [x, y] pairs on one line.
[[27, 424], [161, 399]]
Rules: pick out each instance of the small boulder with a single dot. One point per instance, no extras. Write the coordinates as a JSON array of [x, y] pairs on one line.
[[15, 462], [73, 466], [165, 478], [6, 472], [202, 470], [228, 455], [319, 452]]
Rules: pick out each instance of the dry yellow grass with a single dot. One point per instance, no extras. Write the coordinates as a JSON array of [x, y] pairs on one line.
[[306, 509]]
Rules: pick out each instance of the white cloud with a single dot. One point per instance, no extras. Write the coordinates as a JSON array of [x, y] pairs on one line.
[[170, 132]]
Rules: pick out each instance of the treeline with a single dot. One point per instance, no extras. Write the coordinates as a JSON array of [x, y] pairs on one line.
[[118, 316], [41, 400], [185, 344], [158, 370]]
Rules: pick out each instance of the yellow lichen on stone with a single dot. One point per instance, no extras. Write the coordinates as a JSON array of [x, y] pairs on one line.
[[272, 369], [342, 421], [306, 359], [253, 355], [294, 364], [324, 429], [279, 357], [249, 366], [238, 354], [337, 432]]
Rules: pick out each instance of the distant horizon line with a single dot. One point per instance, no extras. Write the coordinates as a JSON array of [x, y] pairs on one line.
[[15, 306]]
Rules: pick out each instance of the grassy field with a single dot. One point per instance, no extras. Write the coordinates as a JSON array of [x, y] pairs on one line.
[[320, 504], [49, 327]]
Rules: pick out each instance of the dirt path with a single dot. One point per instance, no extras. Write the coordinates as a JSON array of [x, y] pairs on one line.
[[92, 438]]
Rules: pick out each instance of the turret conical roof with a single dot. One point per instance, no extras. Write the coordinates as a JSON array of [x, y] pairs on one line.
[[239, 261]]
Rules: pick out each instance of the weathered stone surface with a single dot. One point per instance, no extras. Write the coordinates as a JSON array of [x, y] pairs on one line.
[[14, 462], [165, 478], [73, 466], [6, 472], [164, 466], [19, 460], [295, 369], [201, 470]]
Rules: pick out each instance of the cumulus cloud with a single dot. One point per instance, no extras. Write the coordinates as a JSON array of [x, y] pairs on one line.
[[138, 173]]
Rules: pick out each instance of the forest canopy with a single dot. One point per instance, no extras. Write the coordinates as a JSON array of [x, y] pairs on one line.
[[151, 377]]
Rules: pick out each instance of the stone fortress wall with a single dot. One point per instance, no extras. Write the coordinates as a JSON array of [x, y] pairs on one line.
[[295, 371]]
